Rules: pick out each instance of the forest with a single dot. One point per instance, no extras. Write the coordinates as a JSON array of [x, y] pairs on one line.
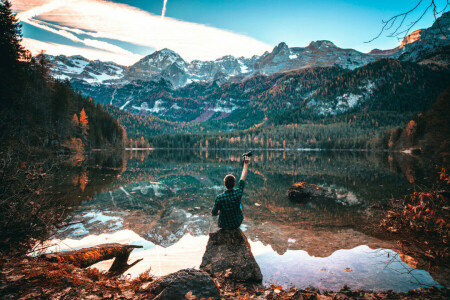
[[40, 111]]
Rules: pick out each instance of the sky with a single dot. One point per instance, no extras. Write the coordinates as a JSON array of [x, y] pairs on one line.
[[124, 31]]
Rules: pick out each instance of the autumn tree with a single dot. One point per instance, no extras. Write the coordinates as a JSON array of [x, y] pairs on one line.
[[84, 121]]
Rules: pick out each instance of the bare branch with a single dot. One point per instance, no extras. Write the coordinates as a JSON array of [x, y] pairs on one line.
[[399, 20]]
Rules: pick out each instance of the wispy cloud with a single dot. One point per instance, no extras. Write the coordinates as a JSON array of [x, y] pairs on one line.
[[36, 46], [101, 19]]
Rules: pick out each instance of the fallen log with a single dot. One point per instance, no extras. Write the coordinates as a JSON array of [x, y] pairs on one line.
[[86, 257], [303, 192]]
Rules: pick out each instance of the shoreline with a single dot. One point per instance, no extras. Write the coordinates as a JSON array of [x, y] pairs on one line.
[[29, 278], [269, 149]]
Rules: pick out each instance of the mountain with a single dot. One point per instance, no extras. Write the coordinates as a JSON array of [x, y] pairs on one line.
[[80, 68], [316, 54], [165, 85], [252, 97], [309, 82], [168, 65], [385, 85]]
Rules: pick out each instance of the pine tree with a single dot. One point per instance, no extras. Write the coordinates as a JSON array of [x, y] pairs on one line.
[[11, 49], [75, 122]]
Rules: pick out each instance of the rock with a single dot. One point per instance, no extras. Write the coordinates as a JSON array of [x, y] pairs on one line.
[[303, 192], [228, 254], [189, 282]]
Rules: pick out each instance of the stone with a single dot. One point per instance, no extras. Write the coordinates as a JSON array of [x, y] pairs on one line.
[[228, 254], [189, 282], [303, 192]]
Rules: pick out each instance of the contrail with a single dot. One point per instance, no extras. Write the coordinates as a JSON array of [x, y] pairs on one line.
[[164, 9]]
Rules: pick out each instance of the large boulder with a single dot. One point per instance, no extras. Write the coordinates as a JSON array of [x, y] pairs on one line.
[[228, 254], [303, 192], [184, 284]]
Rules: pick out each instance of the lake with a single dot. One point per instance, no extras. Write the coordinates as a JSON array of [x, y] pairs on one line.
[[161, 199]]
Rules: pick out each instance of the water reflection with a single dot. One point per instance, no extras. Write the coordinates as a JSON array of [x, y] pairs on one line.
[[163, 199]]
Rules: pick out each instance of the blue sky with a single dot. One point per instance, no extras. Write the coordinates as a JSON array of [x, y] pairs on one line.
[[205, 29]]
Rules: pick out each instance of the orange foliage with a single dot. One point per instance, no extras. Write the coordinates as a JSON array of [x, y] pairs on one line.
[[425, 212], [83, 181], [84, 121]]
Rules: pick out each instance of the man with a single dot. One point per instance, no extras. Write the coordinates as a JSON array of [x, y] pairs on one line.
[[229, 202]]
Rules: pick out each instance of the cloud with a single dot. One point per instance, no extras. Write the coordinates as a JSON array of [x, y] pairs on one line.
[[101, 19], [36, 47], [163, 14]]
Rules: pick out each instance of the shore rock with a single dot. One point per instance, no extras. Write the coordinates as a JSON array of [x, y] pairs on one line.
[[303, 192], [228, 255], [184, 284]]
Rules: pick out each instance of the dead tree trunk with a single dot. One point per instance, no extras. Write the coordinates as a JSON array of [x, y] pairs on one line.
[[86, 257]]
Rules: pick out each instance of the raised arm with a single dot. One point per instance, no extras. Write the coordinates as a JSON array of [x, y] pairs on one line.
[[245, 169]]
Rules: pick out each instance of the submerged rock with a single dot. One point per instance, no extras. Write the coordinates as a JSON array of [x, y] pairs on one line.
[[184, 284], [303, 192], [228, 255]]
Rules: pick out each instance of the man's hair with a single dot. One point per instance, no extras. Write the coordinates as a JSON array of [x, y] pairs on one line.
[[229, 181]]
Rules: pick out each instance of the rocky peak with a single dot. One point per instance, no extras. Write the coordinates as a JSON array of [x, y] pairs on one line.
[[226, 58], [429, 45], [161, 59], [411, 38], [385, 53], [321, 44], [281, 48]]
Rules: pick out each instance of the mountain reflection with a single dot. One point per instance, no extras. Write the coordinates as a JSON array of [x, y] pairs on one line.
[[165, 197]]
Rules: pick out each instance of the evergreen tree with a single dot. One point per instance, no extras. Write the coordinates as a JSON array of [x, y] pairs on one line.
[[11, 52], [10, 35]]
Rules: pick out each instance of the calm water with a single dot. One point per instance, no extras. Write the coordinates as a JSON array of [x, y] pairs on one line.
[[161, 199]]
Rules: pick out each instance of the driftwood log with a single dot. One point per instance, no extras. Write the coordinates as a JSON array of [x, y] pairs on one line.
[[302, 192], [86, 257]]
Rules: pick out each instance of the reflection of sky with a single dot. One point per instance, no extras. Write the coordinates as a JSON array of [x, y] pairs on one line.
[[360, 267]]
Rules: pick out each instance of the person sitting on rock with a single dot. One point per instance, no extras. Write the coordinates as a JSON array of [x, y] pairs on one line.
[[229, 202]]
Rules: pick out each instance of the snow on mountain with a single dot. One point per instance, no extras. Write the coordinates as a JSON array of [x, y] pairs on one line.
[[423, 45], [168, 65], [78, 67], [164, 84], [344, 102]]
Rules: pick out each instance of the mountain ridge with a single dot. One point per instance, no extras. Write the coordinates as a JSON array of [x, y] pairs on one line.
[[169, 65], [237, 93]]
